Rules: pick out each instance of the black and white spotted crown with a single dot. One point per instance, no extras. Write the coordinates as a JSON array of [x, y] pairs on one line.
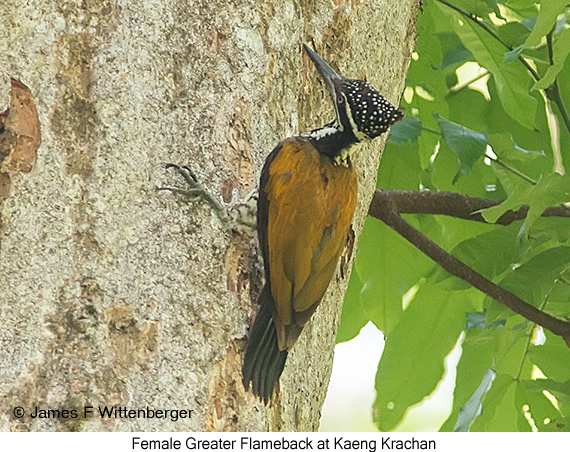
[[371, 112]]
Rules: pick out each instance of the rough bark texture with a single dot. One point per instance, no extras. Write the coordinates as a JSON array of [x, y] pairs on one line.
[[115, 294]]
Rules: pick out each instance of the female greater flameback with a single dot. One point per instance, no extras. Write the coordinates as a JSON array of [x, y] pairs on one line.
[[307, 197]]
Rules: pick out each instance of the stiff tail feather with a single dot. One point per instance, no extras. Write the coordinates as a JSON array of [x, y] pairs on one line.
[[263, 362]]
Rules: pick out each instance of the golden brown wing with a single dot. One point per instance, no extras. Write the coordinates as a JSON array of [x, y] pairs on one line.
[[310, 205]]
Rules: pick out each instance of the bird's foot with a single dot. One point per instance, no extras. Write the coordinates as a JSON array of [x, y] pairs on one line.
[[239, 216], [195, 190]]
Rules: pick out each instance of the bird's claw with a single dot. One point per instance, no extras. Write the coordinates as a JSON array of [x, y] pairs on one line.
[[186, 172], [240, 216], [195, 190]]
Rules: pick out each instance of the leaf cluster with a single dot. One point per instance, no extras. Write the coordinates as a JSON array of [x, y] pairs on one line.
[[502, 134]]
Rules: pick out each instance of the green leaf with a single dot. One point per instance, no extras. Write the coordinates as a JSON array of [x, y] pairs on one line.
[[456, 56], [353, 318], [513, 34], [428, 331], [490, 254], [400, 168], [408, 129], [494, 7], [478, 351], [559, 298], [475, 320], [534, 280], [509, 181], [559, 390], [551, 228], [512, 55], [549, 11], [475, 183], [560, 424], [427, 144], [492, 348], [537, 140], [472, 408], [388, 267], [520, 4], [510, 357], [499, 412], [467, 107], [560, 51], [468, 145], [552, 358], [505, 147], [511, 79], [551, 190], [422, 74], [448, 232], [561, 23], [540, 409]]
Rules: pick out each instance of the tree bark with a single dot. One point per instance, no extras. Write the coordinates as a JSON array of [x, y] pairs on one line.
[[115, 294]]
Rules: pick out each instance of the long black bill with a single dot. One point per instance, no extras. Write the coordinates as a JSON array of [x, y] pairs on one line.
[[327, 73]]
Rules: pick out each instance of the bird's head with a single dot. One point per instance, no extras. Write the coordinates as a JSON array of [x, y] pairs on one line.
[[359, 107]]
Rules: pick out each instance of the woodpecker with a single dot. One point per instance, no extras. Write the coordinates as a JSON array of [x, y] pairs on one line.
[[306, 200], [305, 204]]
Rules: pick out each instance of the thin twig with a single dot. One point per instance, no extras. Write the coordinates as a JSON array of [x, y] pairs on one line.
[[515, 171], [549, 47], [455, 89], [385, 210], [427, 129]]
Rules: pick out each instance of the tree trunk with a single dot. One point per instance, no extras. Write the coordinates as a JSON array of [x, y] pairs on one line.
[[115, 294]]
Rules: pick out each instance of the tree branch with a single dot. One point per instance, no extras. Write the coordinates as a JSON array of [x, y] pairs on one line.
[[453, 205], [385, 208]]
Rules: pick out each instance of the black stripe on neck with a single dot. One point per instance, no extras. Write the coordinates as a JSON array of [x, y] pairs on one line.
[[332, 144]]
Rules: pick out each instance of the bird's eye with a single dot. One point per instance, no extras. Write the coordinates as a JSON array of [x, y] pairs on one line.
[[340, 99]]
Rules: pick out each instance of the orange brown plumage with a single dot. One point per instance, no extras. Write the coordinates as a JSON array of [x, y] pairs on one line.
[[307, 197]]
